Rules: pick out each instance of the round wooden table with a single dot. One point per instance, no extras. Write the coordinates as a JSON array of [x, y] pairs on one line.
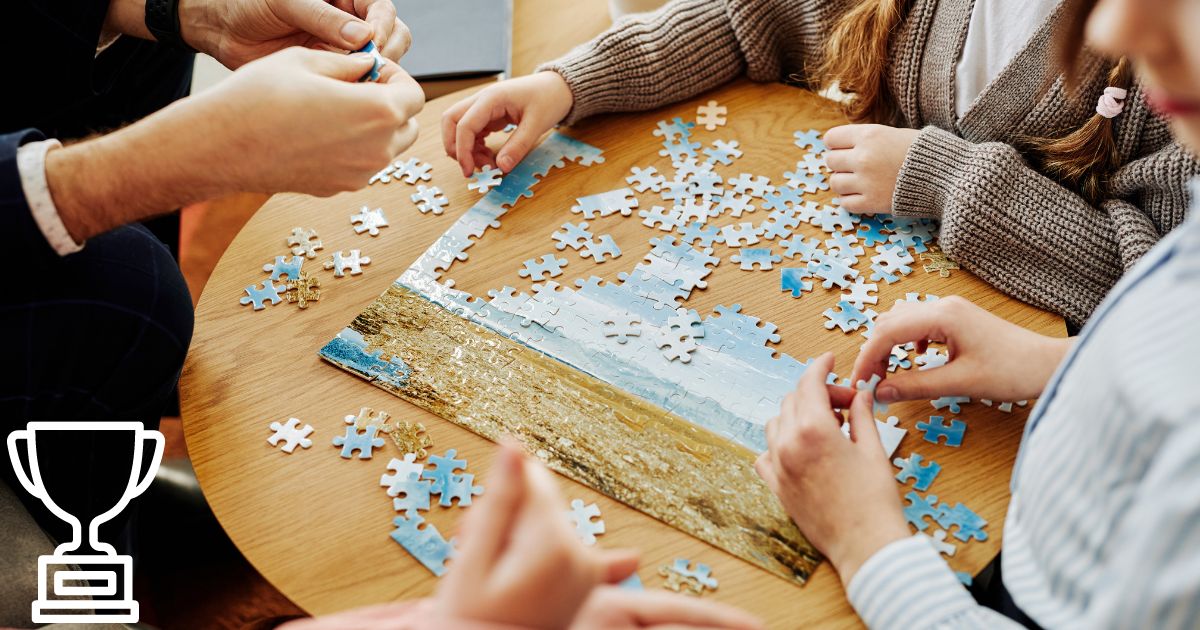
[[317, 526]]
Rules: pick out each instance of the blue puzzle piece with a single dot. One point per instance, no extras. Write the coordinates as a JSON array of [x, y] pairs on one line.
[[869, 386], [911, 468], [412, 494], [750, 257], [810, 139], [259, 295], [460, 487], [953, 402], [797, 246], [632, 583], [674, 129], [444, 467], [364, 441], [426, 544], [937, 428], [783, 198], [793, 279], [702, 574], [284, 267], [970, 525], [696, 231], [964, 577], [537, 269], [679, 150], [871, 230], [377, 62], [846, 317], [918, 508]]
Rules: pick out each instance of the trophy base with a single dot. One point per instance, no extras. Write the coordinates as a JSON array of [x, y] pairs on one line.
[[86, 589]]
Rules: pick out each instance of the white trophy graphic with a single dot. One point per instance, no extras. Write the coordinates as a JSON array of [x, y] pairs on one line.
[[85, 568]]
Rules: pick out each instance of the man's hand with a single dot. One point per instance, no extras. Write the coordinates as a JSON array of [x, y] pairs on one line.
[[237, 32], [839, 492], [866, 161]]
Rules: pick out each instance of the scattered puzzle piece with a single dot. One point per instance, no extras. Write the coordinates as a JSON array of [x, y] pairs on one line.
[[682, 578], [644, 179], [953, 402], [869, 386], [911, 469], [411, 494], [740, 234], [810, 139], [607, 203], [548, 265], [970, 525], [302, 290], [259, 295], [352, 262], [918, 508], [401, 470], [426, 544], [305, 242], [748, 258], [572, 235], [933, 358], [410, 438], [369, 221], [581, 517], [486, 179], [283, 267], [601, 250], [429, 199], [793, 279], [291, 434], [937, 262], [444, 467], [937, 428], [365, 441], [459, 487], [938, 540], [711, 115]]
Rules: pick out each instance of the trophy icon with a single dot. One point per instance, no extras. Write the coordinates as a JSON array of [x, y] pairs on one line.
[[85, 568]]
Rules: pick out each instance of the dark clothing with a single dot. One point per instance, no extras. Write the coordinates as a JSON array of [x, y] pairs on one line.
[[988, 590]]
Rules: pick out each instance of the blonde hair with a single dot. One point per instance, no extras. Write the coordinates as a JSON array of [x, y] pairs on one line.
[[856, 60]]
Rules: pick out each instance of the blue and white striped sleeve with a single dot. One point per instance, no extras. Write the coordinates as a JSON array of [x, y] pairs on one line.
[[906, 585]]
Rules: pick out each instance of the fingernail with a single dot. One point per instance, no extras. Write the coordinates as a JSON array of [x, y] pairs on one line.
[[355, 31], [886, 394], [505, 162]]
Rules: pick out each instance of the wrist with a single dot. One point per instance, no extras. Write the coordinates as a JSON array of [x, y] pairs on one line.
[[559, 92], [199, 24], [847, 559]]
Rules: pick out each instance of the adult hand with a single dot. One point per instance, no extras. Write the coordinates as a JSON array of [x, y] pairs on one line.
[[298, 121], [534, 103], [614, 608], [839, 492], [866, 161], [989, 357], [237, 32], [521, 563]]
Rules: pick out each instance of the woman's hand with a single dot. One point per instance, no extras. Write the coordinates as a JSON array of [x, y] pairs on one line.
[[299, 121], [839, 492], [866, 161], [614, 608], [521, 563], [989, 357], [237, 32], [534, 103]]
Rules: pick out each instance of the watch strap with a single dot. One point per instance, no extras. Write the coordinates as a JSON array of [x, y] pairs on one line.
[[162, 20]]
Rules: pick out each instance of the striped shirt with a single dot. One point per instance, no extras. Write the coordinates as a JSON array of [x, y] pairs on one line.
[[1103, 530]]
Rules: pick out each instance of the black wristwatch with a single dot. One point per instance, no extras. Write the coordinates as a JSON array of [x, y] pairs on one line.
[[162, 19]]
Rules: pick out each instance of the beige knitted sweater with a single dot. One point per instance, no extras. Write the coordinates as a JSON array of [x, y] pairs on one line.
[[1001, 218]]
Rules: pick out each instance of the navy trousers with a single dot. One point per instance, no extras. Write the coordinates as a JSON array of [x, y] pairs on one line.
[[98, 335]]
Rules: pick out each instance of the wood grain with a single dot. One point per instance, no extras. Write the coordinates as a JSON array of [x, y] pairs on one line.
[[317, 525]]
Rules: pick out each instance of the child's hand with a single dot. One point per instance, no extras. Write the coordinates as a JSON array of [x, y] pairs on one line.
[[866, 161], [521, 563], [989, 357], [534, 103], [614, 608], [839, 492]]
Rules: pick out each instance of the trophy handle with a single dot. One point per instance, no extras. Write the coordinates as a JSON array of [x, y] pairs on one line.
[[21, 435], [159, 443]]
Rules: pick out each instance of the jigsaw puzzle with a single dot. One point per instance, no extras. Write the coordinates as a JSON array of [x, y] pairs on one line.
[[682, 578], [912, 470], [711, 115], [369, 220], [538, 269], [423, 543], [429, 199], [305, 242], [485, 179], [365, 441], [302, 290], [763, 258], [620, 201], [342, 263], [937, 428], [261, 295], [291, 434], [586, 521], [793, 279], [283, 268]]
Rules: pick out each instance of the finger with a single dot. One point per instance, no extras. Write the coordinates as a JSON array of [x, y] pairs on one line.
[[840, 160], [404, 138], [862, 425], [335, 65], [405, 93], [488, 526], [519, 144], [474, 121], [656, 609], [381, 15], [899, 326], [450, 125], [921, 384], [765, 467], [844, 184], [812, 390], [841, 137], [617, 564], [840, 397], [326, 22], [399, 43]]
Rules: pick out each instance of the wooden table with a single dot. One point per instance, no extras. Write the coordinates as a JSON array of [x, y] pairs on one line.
[[317, 526]]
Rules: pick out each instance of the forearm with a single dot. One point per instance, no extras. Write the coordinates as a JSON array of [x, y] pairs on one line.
[[151, 167]]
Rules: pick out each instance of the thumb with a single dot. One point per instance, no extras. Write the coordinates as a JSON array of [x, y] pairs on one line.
[[918, 385], [334, 65], [862, 424], [519, 144], [326, 22], [617, 564]]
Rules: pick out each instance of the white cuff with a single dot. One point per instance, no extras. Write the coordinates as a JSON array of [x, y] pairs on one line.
[[31, 164]]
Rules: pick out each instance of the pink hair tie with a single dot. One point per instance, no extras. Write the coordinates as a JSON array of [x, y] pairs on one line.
[[1110, 104]]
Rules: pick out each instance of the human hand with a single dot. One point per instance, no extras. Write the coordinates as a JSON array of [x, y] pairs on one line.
[[237, 32], [615, 608], [839, 492], [534, 103], [866, 161], [989, 357], [521, 563], [298, 121]]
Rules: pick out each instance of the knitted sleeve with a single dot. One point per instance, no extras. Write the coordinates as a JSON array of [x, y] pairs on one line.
[[1031, 237], [689, 46]]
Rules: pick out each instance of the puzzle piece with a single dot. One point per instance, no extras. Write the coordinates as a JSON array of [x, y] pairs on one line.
[[911, 469], [696, 231], [282, 267], [970, 525], [429, 199], [779, 224], [411, 494], [845, 317], [606, 203], [676, 344], [740, 234], [723, 152], [814, 163], [302, 290], [834, 219], [918, 508], [871, 230], [869, 386], [1006, 407], [581, 517], [341, 263], [844, 246], [572, 235], [763, 257], [674, 129], [938, 262], [832, 270], [365, 441], [679, 150], [622, 327], [259, 295], [444, 468], [733, 203], [807, 182], [485, 179], [426, 544], [548, 265], [410, 438], [752, 185], [369, 221], [686, 321], [793, 279], [682, 578], [797, 246], [676, 190], [937, 428], [898, 359], [711, 115], [938, 540], [692, 211], [644, 179], [459, 487], [602, 249], [659, 217], [953, 402], [933, 358], [291, 434], [305, 242], [810, 139], [784, 198], [401, 470], [413, 170], [860, 293]]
